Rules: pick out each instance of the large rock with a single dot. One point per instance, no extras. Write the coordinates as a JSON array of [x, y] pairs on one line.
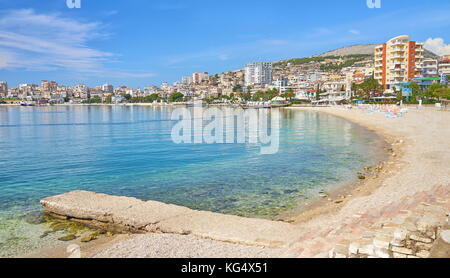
[[131, 214]]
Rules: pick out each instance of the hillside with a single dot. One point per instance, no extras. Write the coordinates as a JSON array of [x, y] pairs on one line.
[[353, 51], [360, 49]]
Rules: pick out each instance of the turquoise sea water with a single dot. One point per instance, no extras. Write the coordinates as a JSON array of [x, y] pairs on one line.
[[129, 151]]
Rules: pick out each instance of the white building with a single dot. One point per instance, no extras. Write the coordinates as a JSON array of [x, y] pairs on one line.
[[430, 68], [108, 88], [258, 73], [186, 80]]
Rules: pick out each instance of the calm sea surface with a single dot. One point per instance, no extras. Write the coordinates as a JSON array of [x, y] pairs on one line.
[[129, 151]]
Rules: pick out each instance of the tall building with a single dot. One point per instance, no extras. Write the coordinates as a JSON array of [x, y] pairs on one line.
[[430, 68], [186, 80], [199, 77], [258, 73], [49, 86], [3, 89], [108, 88], [398, 61]]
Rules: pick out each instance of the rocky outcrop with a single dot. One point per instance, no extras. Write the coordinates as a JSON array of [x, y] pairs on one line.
[[126, 214]]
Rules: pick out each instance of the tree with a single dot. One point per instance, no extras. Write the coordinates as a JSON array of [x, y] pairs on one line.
[[431, 91], [289, 94], [95, 99], [127, 96], [152, 98], [108, 100], [318, 92], [246, 96], [442, 93], [176, 97], [237, 89], [366, 88]]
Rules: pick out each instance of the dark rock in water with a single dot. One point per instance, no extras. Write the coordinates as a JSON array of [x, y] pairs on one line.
[[34, 217], [90, 237], [57, 226], [46, 233], [290, 191], [67, 237]]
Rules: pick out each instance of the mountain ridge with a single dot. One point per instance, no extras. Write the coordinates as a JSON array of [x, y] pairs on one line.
[[357, 49]]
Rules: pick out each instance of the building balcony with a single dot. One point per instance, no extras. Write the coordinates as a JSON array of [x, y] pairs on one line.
[[397, 69], [398, 49], [399, 43]]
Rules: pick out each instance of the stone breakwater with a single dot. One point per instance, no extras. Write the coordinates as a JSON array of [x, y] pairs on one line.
[[126, 214]]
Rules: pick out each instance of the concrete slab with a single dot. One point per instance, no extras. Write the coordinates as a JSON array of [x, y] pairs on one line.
[[136, 215], [229, 228]]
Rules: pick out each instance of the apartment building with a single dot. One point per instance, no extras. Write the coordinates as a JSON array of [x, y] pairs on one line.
[[430, 68], [49, 86], [398, 61], [186, 80], [444, 65], [3, 89], [258, 73], [199, 77], [108, 88]]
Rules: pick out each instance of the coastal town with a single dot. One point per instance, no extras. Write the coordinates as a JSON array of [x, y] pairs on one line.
[[400, 70]]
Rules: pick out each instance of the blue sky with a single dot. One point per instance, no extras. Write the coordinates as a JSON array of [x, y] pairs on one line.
[[146, 42]]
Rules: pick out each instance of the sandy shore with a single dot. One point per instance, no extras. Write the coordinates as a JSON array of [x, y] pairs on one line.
[[416, 172]]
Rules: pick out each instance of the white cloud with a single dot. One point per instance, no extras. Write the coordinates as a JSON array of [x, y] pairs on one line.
[[355, 32], [42, 42], [437, 46], [50, 42]]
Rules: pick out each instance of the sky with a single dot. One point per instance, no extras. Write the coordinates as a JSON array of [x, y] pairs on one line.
[[145, 42]]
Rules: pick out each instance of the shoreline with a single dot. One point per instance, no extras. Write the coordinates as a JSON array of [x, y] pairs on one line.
[[340, 194], [415, 173]]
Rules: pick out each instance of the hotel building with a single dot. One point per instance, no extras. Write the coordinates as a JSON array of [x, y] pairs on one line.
[[398, 61], [258, 73]]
